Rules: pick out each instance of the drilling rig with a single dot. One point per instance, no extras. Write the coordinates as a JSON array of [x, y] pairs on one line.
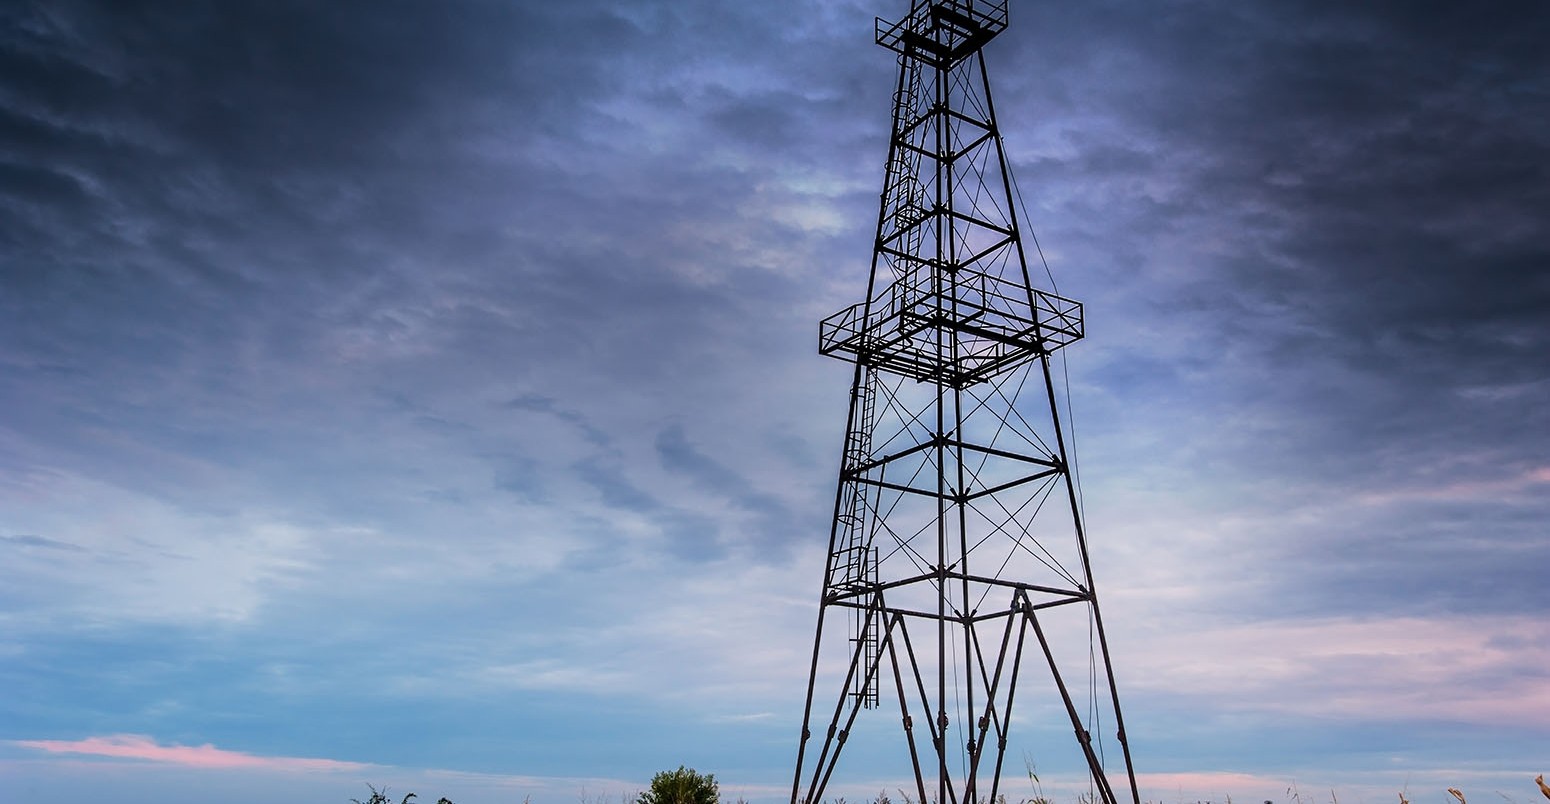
[[958, 581]]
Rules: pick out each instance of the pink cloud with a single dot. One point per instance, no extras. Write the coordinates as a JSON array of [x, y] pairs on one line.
[[141, 747], [1470, 669], [1523, 483], [1209, 784]]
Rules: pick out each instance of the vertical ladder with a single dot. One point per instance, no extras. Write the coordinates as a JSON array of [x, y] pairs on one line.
[[856, 558], [907, 196], [865, 635]]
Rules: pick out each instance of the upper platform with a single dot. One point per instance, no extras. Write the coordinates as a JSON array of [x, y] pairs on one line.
[[958, 329], [943, 32]]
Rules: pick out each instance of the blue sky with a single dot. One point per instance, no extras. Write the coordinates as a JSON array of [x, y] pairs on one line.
[[426, 394]]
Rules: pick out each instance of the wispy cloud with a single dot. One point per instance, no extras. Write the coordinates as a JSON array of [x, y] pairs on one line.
[[752, 717], [1480, 670], [28, 540], [147, 749]]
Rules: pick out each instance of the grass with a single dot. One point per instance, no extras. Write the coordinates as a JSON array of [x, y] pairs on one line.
[[1293, 794]]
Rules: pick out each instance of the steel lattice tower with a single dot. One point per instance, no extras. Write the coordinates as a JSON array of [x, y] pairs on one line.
[[958, 565]]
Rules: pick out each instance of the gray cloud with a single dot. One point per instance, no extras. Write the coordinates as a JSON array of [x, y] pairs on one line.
[[1332, 277], [28, 540], [412, 312]]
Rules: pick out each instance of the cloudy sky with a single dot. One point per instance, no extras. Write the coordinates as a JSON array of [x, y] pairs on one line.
[[426, 393]]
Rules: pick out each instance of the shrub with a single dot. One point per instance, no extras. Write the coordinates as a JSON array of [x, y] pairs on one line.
[[380, 797], [682, 786]]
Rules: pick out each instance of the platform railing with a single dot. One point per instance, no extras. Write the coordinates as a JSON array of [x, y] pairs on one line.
[[943, 32], [962, 327]]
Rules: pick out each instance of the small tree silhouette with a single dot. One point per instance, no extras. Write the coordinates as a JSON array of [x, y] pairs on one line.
[[380, 797], [682, 786]]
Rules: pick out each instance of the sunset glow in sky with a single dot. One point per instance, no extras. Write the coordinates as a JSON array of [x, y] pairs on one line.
[[425, 394]]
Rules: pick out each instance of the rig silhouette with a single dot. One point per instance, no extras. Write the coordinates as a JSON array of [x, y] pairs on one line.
[[958, 580]]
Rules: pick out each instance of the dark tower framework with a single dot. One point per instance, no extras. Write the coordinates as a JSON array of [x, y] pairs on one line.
[[958, 560]]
